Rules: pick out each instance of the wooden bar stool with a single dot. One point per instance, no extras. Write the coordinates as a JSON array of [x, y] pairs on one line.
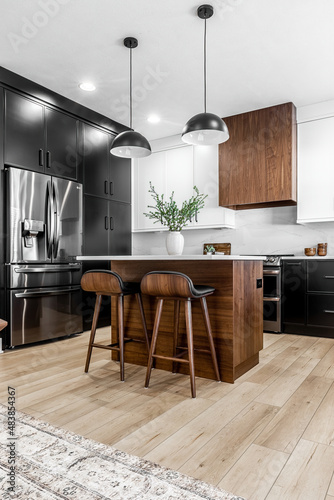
[[169, 285], [104, 282]]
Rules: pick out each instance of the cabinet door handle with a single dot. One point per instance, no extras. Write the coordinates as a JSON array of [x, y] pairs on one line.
[[48, 159], [328, 311], [106, 223], [329, 277], [40, 158], [105, 187], [111, 223], [111, 188]]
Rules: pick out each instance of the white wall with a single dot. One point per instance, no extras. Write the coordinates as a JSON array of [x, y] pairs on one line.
[[258, 231]]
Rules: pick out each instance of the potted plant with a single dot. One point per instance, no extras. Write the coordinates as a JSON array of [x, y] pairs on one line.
[[174, 217], [210, 249]]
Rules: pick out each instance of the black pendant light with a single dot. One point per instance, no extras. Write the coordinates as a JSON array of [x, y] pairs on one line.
[[205, 128], [130, 144]]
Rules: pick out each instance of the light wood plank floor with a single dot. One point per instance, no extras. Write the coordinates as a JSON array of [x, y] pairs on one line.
[[268, 436]]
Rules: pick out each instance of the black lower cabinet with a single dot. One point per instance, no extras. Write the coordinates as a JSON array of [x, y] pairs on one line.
[[107, 231], [308, 297], [293, 295]]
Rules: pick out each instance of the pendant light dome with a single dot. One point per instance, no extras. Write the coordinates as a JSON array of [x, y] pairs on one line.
[[205, 128], [130, 144]]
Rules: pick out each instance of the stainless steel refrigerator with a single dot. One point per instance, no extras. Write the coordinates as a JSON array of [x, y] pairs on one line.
[[44, 234]]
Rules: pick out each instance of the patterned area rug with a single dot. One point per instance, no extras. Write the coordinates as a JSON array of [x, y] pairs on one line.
[[51, 463]]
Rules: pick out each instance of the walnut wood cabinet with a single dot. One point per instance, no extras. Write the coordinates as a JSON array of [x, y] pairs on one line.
[[257, 165]]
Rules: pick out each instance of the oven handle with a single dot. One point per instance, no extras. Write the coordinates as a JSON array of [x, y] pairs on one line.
[[47, 292], [271, 299], [271, 272]]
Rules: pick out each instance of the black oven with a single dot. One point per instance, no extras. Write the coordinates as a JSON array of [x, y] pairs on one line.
[[272, 293]]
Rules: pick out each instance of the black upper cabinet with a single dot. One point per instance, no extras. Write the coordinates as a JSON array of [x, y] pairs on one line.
[[61, 140], [39, 138], [105, 175], [120, 179], [107, 227], [24, 133], [96, 161]]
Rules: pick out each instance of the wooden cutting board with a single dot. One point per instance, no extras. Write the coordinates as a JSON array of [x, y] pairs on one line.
[[219, 247]]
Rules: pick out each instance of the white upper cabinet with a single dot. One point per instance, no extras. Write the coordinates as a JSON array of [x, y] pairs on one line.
[[146, 170], [177, 167], [179, 173], [316, 170]]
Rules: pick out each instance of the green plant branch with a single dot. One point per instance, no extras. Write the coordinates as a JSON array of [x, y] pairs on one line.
[[169, 214]]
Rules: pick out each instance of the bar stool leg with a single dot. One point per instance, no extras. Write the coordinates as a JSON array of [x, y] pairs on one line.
[[93, 330], [154, 340], [120, 313], [189, 328], [176, 330], [142, 315], [210, 338]]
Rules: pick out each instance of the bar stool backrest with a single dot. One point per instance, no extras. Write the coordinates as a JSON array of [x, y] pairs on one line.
[[102, 281], [168, 284]]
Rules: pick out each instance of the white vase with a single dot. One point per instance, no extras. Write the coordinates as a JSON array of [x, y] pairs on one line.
[[174, 243]]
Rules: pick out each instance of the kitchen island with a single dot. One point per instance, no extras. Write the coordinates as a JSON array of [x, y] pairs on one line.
[[236, 310]]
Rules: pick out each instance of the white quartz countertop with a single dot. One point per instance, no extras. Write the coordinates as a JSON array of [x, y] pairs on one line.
[[169, 257], [314, 257]]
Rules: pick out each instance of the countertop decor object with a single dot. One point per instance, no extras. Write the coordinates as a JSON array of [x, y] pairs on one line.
[[310, 252], [219, 248], [169, 214], [130, 144], [209, 250], [205, 128], [322, 249]]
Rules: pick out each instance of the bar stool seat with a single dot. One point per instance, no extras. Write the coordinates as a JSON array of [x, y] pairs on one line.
[[104, 282], [3, 324], [170, 285]]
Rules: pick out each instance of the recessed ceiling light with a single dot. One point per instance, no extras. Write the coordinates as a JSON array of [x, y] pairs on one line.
[[89, 87], [153, 119]]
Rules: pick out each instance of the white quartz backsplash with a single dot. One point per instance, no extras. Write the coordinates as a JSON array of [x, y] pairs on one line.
[[259, 231]]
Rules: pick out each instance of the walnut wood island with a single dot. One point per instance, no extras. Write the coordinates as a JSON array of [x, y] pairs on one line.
[[236, 310]]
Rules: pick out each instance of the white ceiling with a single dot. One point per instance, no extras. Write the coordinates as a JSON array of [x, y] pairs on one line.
[[260, 53]]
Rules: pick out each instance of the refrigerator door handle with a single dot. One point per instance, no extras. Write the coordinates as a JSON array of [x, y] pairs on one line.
[[46, 291], [56, 221], [49, 269], [50, 221]]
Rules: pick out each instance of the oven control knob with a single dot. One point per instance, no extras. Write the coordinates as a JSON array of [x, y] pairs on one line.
[[271, 259]]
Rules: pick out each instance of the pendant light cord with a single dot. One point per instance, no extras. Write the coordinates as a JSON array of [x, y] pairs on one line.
[[131, 87], [204, 65]]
